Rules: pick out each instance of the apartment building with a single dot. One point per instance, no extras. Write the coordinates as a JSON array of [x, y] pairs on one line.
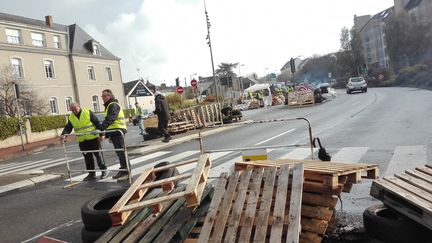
[[60, 63], [372, 28]]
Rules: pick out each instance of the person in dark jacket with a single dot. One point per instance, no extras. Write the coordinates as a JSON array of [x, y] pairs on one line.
[[115, 120], [84, 122], [163, 114]]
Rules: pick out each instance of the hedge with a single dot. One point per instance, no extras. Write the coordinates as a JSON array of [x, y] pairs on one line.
[[8, 127], [45, 123]]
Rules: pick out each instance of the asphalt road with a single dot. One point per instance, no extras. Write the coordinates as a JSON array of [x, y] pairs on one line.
[[383, 126]]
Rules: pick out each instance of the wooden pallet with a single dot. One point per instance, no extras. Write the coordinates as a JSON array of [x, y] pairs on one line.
[[409, 193], [177, 127], [245, 209], [131, 199], [328, 174], [172, 224], [301, 98]]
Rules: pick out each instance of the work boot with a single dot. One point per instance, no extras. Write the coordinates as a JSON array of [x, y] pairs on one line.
[[167, 139], [104, 175], [90, 176], [120, 174]]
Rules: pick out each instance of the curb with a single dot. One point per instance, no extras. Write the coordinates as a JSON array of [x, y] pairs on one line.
[[27, 183]]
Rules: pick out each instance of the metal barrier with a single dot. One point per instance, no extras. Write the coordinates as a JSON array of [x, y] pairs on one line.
[[262, 147], [70, 171]]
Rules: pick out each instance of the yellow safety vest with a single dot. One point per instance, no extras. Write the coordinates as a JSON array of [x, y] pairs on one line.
[[120, 122], [83, 125]]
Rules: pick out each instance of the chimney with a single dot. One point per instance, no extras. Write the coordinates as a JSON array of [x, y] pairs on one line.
[[48, 20]]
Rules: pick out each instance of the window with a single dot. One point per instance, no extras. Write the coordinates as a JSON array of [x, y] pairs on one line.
[[91, 73], [96, 50], [53, 105], [68, 102], [56, 41], [49, 69], [109, 74], [13, 36], [17, 69], [37, 39], [95, 100]]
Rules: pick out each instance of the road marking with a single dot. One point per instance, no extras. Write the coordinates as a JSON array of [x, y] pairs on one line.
[[20, 164], [225, 167], [406, 157], [274, 137], [350, 154], [67, 224], [213, 157], [48, 163], [298, 153]]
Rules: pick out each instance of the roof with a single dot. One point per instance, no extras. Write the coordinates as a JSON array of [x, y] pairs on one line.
[[384, 16], [79, 44], [136, 88], [29, 21], [412, 4]]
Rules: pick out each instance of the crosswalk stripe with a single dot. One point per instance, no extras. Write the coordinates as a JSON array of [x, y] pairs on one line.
[[132, 161], [225, 167], [213, 157], [298, 153], [19, 164], [406, 157], [350, 154], [48, 164]]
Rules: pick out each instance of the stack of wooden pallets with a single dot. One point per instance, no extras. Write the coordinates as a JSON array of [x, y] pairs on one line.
[[301, 98], [323, 184], [178, 127], [409, 193]]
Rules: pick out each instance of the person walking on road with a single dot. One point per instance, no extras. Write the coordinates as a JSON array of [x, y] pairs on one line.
[[139, 117], [163, 114], [84, 121], [115, 121]]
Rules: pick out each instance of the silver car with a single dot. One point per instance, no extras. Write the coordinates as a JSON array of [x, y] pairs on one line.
[[356, 84]]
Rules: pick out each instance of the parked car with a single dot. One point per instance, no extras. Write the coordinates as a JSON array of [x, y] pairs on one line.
[[356, 84]]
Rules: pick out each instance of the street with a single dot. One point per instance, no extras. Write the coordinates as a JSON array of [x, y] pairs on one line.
[[385, 126]]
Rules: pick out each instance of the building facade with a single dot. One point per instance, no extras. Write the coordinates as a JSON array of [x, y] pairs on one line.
[[60, 63], [372, 28]]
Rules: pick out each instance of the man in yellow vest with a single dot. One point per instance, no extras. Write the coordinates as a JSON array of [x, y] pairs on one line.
[[83, 121], [115, 120]]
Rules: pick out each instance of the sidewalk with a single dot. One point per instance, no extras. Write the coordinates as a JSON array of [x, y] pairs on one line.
[[17, 181]]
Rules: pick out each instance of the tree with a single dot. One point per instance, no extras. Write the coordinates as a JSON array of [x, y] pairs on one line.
[[345, 39], [407, 42], [357, 51], [225, 73], [29, 102]]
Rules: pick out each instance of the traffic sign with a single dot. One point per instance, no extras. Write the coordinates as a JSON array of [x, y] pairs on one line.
[[180, 90], [194, 83]]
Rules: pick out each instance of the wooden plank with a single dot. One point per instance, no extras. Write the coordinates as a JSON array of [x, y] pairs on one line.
[[295, 204], [248, 218], [314, 225], [308, 237], [420, 175], [165, 181], [425, 170], [198, 180], [318, 212], [319, 200], [422, 185], [413, 189], [213, 209], [237, 208], [224, 208], [265, 204], [280, 204], [118, 217]]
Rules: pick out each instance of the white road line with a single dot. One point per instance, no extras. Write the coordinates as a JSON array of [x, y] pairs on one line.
[[350, 154], [225, 167], [48, 164], [20, 164], [264, 141], [298, 153], [213, 157], [132, 161], [406, 157]]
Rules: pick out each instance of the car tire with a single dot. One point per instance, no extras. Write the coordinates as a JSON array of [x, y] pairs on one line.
[[165, 173], [365, 90], [89, 236], [94, 213], [387, 224]]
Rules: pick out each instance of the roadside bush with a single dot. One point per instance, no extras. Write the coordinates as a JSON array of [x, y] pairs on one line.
[[8, 127], [45, 123], [418, 76], [129, 113]]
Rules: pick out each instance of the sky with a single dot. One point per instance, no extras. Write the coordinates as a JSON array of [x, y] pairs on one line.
[[160, 40]]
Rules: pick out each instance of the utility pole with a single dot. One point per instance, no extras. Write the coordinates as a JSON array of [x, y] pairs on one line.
[[20, 123], [211, 52]]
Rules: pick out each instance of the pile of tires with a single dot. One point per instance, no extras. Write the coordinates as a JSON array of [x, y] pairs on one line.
[[94, 213], [388, 225]]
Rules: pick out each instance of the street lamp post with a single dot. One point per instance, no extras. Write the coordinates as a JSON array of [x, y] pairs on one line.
[[211, 52], [241, 80]]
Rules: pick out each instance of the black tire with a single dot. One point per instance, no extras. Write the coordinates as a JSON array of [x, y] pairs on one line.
[[365, 90], [386, 224], [165, 173], [88, 236], [94, 213]]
